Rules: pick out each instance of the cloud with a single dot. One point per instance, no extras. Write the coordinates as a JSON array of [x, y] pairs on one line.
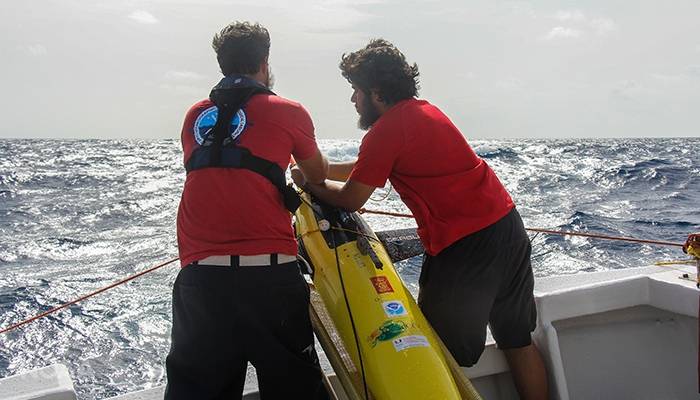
[[603, 26], [190, 90], [576, 24], [689, 73], [693, 71], [182, 76], [629, 90], [668, 79], [574, 15], [514, 9], [183, 82], [143, 17], [510, 83], [561, 32], [37, 50], [314, 16]]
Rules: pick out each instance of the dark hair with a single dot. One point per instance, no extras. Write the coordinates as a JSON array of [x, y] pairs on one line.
[[241, 47], [382, 67]]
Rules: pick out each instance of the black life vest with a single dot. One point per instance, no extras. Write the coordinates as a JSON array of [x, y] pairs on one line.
[[220, 151]]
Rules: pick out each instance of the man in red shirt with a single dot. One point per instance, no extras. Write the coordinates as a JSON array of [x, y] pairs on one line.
[[476, 268], [240, 296]]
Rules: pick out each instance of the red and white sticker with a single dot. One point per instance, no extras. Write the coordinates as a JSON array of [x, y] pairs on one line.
[[406, 342], [381, 284]]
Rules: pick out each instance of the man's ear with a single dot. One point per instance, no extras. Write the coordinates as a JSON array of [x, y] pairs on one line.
[[378, 102], [264, 65], [374, 94]]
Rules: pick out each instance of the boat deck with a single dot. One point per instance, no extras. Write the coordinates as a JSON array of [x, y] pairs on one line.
[[619, 334]]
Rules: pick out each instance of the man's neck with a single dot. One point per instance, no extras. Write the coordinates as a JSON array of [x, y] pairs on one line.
[[251, 78], [383, 107], [259, 77]]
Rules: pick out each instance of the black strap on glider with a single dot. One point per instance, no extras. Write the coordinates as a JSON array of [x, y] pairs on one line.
[[220, 151]]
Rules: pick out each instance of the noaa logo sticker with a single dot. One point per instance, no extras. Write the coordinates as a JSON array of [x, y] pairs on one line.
[[394, 308], [204, 125]]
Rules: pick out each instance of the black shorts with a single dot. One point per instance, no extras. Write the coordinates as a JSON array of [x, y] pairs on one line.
[[485, 277], [225, 317]]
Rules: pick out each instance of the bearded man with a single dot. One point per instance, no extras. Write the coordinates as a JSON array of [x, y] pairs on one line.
[[476, 269]]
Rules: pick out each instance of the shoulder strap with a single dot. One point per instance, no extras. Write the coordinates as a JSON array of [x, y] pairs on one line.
[[228, 102], [219, 154]]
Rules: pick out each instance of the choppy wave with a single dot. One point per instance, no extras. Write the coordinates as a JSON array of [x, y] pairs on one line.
[[76, 215]]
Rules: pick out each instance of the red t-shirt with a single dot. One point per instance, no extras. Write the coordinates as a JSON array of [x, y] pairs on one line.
[[450, 190], [226, 211]]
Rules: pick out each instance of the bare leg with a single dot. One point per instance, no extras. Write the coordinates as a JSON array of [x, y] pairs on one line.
[[528, 372]]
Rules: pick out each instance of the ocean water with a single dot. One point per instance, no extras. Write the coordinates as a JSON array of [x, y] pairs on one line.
[[76, 215]]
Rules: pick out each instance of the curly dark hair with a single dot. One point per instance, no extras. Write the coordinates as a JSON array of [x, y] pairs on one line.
[[382, 67], [241, 47]]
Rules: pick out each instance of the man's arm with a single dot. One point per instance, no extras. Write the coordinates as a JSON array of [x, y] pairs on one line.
[[314, 168], [350, 196], [340, 171]]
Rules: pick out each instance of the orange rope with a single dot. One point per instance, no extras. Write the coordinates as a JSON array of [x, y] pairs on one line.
[[596, 236], [563, 233], [393, 214], [62, 306], [361, 211]]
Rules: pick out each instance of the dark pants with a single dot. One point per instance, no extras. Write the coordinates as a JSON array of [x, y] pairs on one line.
[[225, 317], [485, 277]]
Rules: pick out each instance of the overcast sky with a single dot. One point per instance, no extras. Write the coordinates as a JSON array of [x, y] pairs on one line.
[[130, 69]]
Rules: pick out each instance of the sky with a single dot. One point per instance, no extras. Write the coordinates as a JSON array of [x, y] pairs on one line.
[[499, 69]]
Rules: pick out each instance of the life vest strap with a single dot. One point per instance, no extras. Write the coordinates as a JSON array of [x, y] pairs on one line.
[[217, 153], [241, 158]]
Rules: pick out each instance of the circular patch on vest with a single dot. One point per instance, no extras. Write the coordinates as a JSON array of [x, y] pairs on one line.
[[204, 125]]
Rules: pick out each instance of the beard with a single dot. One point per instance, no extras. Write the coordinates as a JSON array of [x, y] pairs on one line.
[[368, 114], [270, 79]]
